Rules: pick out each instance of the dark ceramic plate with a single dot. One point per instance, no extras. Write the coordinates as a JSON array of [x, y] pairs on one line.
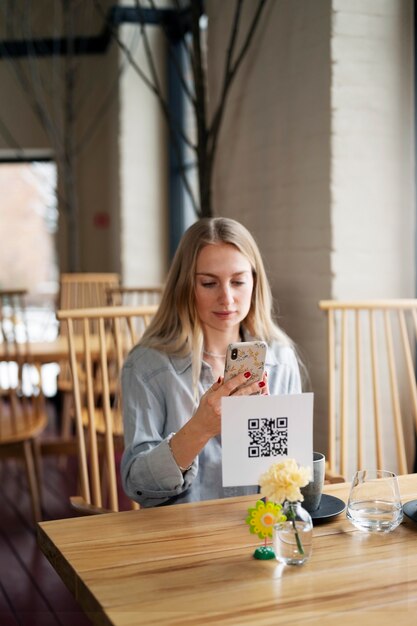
[[329, 507], [410, 510]]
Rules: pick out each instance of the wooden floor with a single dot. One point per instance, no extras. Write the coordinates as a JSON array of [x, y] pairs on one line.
[[31, 593]]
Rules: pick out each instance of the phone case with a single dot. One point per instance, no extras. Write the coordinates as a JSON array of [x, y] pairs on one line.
[[250, 358]]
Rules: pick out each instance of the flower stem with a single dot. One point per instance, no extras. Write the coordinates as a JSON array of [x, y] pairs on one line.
[[291, 514]]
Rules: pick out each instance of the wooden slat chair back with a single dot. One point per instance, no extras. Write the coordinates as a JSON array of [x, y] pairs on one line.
[[85, 290], [134, 296], [79, 291], [13, 323], [371, 384], [97, 402], [22, 407]]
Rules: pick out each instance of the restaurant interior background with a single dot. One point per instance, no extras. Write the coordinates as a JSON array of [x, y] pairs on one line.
[[316, 155]]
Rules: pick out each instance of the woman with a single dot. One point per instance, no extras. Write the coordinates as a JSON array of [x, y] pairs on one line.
[[172, 382]]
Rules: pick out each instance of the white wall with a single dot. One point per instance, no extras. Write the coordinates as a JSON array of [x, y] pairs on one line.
[[372, 177], [331, 208], [143, 165], [372, 167]]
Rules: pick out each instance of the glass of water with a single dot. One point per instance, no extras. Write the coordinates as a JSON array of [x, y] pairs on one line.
[[374, 503]]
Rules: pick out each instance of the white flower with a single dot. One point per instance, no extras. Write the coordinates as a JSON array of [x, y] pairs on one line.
[[283, 480]]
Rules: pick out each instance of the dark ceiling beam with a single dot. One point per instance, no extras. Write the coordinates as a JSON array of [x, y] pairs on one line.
[[176, 23]]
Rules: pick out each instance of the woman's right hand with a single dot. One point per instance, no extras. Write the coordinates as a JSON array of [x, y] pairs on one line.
[[208, 414], [206, 421]]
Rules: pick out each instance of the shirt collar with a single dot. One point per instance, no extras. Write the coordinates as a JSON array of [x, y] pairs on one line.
[[180, 363]]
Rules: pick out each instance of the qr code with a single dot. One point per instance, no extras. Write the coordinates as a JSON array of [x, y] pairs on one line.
[[268, 437]]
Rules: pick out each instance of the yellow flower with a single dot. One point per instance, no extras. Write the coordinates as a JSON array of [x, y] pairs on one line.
[[283, 480], [262, 518]]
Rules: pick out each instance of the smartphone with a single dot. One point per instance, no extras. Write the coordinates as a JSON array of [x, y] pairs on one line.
[[245, 356]]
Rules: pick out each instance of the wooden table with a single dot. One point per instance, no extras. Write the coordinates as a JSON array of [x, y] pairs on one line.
[[192, 564], [43, 352]]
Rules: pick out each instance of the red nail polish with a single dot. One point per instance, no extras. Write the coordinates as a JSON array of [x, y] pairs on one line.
[[261, 384], [219, 379], [247, 374]]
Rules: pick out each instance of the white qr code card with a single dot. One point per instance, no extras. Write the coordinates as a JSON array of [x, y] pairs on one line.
[[258, 431]]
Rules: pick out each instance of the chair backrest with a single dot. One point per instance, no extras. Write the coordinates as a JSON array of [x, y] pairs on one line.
[[96, 360], [134, 296], [16, 370], [22, 404], [13, 321], [80, 291], [20, 379], [85, 290], [372, 383]]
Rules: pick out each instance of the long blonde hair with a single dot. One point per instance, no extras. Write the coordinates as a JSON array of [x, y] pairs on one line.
[[175, 328]]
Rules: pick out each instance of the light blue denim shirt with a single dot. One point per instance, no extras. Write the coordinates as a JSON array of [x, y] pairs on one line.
[[157, 402]]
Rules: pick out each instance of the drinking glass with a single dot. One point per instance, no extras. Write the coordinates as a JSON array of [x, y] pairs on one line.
[[374, 503]]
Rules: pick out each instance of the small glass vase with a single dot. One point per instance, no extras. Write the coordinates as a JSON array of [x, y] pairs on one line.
[[293, 538]]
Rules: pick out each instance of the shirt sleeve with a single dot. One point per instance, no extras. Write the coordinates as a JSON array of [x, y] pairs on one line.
[[284, 374], [294, 379], [149, 472]]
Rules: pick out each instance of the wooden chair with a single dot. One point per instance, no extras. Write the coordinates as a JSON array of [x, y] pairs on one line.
[[22, 407], [134, 296], [372, 384], [79, 291], [85, 289], [99, 427]]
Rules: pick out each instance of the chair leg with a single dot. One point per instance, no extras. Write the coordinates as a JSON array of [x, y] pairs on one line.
[[34, 486], [38, 466], [67, 404]]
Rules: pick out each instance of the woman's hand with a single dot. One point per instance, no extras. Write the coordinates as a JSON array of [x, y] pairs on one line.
[[206, 421], [208, 414], [264, 388]]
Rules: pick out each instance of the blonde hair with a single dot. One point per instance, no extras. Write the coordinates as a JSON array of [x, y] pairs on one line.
[[175, 328]]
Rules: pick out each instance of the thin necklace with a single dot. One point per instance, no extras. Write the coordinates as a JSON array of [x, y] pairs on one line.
[[219, 356]]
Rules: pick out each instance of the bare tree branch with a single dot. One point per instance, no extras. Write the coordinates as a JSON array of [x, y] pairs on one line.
[[207, 131], [180, 73], [249, 38], [231, 73], [152, 86], [39, 88], [187, 47], [157, 92], [126, 51], [112, 93], [174, 130], [35, 105], [10, 139], [148, 52], [233, 37], [100, 112]]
